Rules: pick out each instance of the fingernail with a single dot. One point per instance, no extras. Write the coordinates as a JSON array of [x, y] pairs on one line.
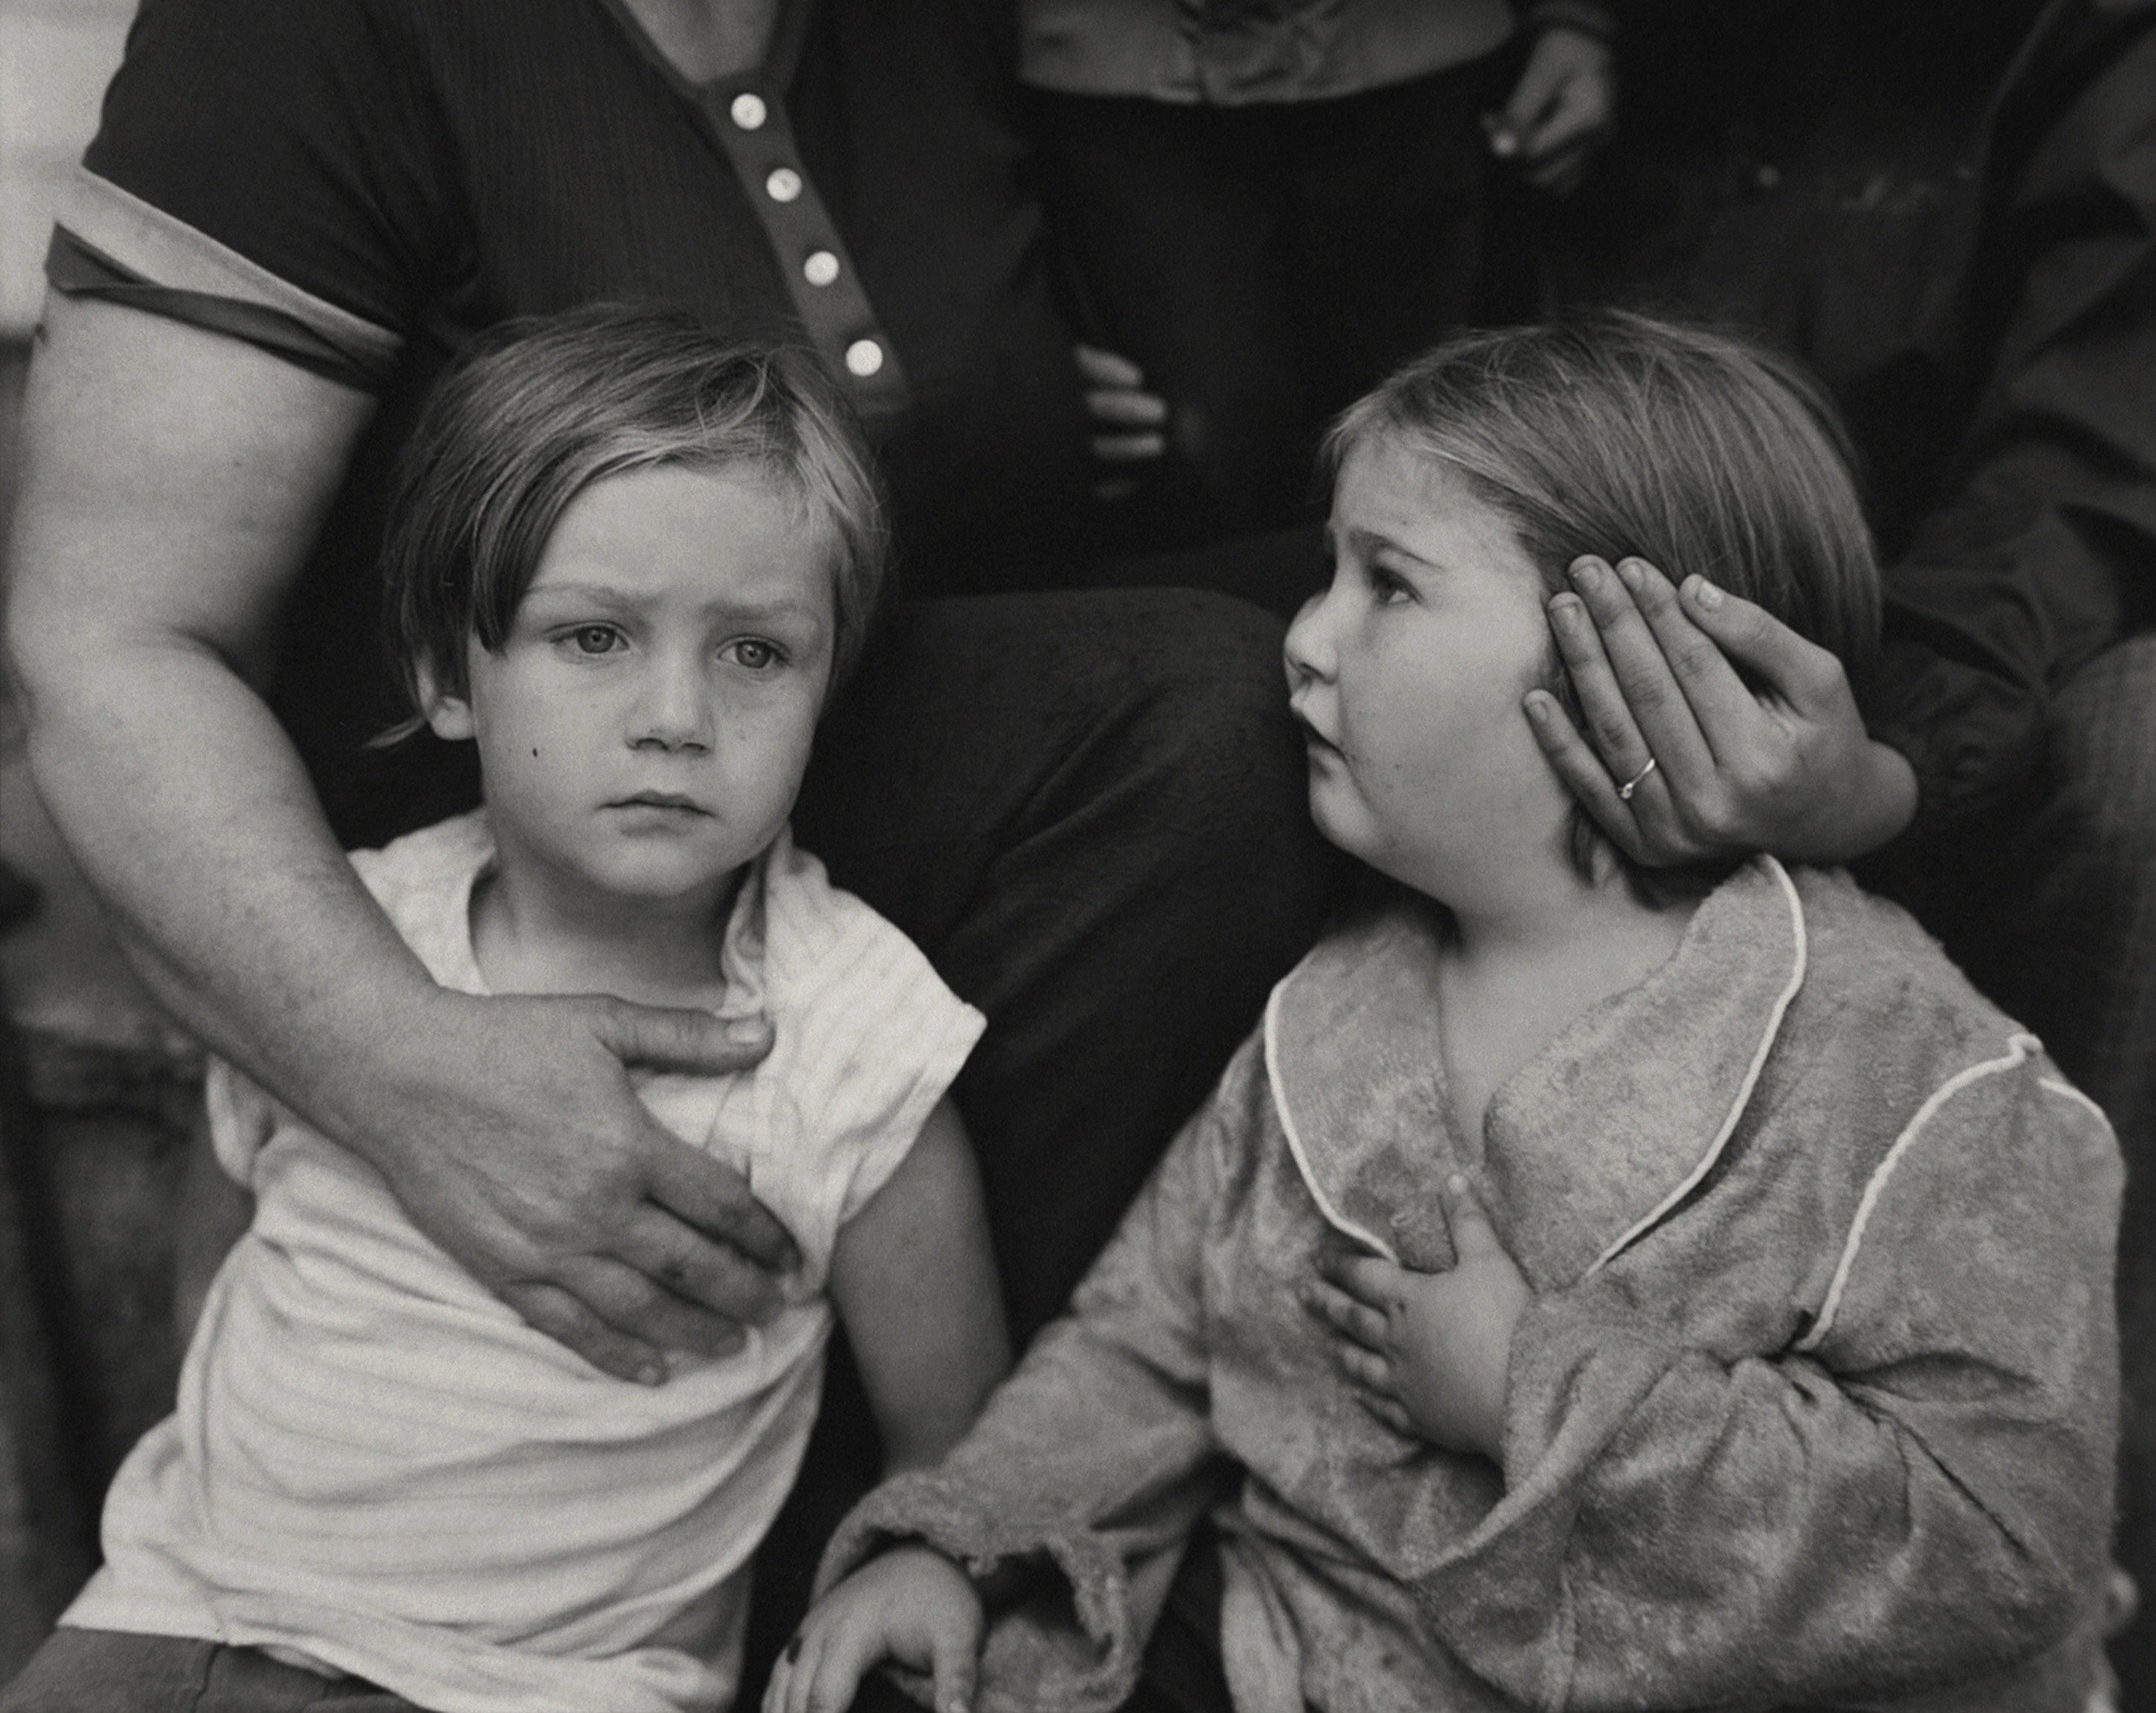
[[747, 1032], [1587, 573], [1705, 593], [1565, 607], [1539, 705], [1630, 573], [1456, 1183]]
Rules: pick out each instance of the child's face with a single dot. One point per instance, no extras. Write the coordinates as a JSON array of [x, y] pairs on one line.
[[1407, 675], [644, 729]]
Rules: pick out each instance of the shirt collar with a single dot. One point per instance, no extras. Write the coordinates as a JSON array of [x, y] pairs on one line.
[[1584, 1149], [445, 942]]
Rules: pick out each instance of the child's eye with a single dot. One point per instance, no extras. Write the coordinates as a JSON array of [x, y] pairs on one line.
[[756, 655], [594, 638], [1389, 587]]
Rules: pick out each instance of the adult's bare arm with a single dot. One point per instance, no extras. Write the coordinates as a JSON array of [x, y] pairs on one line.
[[1780, 763], [173, 482]]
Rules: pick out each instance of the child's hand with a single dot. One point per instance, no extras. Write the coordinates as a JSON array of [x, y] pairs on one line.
[[913, 1605], [1562, 111], [1130, 422], [1430, 1349]]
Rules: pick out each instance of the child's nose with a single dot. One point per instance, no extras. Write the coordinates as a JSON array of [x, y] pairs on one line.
[[1309, 647], [673, 711]]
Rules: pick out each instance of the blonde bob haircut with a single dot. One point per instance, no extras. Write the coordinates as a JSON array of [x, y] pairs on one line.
[[536, 410], [1623, 436]]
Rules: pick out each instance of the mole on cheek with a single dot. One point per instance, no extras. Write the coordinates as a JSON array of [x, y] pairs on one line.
[[535, 753]]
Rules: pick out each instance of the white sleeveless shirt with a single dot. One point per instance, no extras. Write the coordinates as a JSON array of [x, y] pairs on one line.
[[376, 1467]]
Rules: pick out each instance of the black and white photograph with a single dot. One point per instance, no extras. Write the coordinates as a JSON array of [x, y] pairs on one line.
[[1077, 856]]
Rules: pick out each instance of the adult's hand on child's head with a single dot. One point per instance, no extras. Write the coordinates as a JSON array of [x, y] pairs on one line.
[[1715, 766], [912, 1605], [513, 1139], [1429, 1351], [1562, 111]]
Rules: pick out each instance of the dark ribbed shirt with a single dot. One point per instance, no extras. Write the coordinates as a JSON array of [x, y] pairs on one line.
[[431, 167]]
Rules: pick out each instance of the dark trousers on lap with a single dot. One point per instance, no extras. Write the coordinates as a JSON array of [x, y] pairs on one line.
[[110, 1671], [1098, 834], [1266, 265], [1089, 809]]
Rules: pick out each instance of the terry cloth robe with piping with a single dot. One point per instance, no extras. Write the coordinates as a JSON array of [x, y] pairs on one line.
[[1815, 1406]]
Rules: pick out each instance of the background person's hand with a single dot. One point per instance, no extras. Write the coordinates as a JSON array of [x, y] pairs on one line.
[[511, 1136], [1129, 425], [912, 1605], [1783, 763], [1562, 111], [1430, 1351]]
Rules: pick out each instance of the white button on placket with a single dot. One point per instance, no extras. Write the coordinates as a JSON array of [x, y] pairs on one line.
[[863, 357], [784, 185], [748, 110], [821, 268]]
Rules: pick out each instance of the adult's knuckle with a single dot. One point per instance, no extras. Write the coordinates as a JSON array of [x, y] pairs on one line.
[[1822, 674], [1714, 821], [632, 1296], [1758, 785], [1649, 692], [677, 1271], [737, 1289], [610, 1008], [548, 1308], [610, 1182], [1693, 657]]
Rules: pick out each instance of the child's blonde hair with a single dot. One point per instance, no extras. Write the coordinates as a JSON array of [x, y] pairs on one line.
[[1623, 436], [536, 410]]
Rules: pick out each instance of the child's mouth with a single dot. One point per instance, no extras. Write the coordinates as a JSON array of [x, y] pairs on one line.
[[660, 800], [1313, 739]]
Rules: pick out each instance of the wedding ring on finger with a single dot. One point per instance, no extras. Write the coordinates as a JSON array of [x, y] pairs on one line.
[[1625, 790]]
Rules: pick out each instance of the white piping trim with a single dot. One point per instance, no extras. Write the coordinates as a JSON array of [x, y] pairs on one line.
[[2019, 1048], [1660, 1210], [2053, 1085], [1333, 1217]]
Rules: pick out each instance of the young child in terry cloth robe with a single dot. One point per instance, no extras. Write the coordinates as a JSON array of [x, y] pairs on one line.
[[1590, 1287]]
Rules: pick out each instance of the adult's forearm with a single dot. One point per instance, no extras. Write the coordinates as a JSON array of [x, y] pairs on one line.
[[173, 482], [188, 812]]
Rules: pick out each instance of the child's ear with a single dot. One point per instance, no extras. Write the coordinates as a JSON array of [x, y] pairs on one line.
[[448, 716]]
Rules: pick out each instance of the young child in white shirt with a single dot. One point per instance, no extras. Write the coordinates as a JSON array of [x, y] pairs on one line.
[[630, 564]]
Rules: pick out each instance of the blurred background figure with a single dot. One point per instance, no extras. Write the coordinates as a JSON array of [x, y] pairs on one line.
[[1266, 204], [1948, 211]]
